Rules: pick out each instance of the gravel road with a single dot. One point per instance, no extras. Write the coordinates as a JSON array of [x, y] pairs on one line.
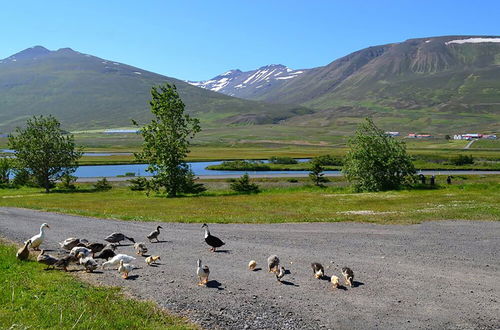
[[432, 275]]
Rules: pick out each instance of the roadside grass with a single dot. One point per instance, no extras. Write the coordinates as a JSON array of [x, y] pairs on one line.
[[468, 198], [34, 298]]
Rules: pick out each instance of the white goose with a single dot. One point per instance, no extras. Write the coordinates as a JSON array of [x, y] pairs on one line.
[[38, 239], [115, 261]]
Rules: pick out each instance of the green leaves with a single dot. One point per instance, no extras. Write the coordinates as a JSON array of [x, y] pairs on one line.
[[44, 150], [166, 143], [377, 161]]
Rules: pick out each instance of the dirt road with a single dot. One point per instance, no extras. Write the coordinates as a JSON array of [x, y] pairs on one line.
[[433, 275]]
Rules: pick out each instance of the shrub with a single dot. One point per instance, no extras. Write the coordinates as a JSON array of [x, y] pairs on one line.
[[282, 160], [23, 178], [5, 170], [68, 182], [317, 175], [241, 165], [376, 161], [462, 160], [138, 184], [102, 185], [328, 160], [243, 185], [292, 180], [190, 186]]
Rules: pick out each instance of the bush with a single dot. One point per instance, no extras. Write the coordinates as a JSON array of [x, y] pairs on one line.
[[328, 160], [68, 182], [243, 185], [462, 160], [241, 165], [23, 178], [190, 186], [5, 170], [102, 185], [282, 160], [138, 184], [317, 175], [376, 161], [292, 180]]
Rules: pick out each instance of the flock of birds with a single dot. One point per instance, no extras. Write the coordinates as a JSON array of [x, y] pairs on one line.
[[83, 252]]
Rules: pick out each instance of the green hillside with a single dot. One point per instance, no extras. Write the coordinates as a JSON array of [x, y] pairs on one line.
[[87, 92], [429, 84]]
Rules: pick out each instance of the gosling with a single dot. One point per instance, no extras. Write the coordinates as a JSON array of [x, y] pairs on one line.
[[348, 276], [252, 264], [152, 260]]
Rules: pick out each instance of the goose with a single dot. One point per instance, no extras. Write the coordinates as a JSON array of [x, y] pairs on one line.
[[348, 276], [24, 253], [273, 263], [280, 273], [335, 281], [154, 234], [117, 238], [80, 250], [88, 262], [140, 248], [38, 239], [116, 260], [46, 259], [64, 262], [95, 247], [125, 269], [318, 270], [202, 271], [69, 243], [106, 254], [252, 264], [152, 259], [213, 241]]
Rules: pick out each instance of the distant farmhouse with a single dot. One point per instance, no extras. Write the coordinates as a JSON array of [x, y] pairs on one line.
[[470, 136], [392, 133], [419, 136]]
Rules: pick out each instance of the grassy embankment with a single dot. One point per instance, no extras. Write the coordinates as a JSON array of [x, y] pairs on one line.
[[469, 198], [34, 298]]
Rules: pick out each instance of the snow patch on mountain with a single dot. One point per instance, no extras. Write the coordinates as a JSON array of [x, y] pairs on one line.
[[472, 40]]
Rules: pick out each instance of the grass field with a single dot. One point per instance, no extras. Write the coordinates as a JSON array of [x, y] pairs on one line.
[[34, 298], [469, 197]]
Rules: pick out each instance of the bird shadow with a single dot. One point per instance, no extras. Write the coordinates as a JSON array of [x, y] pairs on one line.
[[341, 287], [214, 285], [289, 283], [355, 284], [47, 250], [156, 242], [256, 269], [155, 265], [97, 272], [325, 278], [132, 277], [287, 272], [222, 251]]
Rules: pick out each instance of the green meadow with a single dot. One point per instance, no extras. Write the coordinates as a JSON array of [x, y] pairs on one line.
[[281, 200], [32, 297]]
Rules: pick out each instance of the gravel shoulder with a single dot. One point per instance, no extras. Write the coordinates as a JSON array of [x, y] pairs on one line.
[[431, 275]]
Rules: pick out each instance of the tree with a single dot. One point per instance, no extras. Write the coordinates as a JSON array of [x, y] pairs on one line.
[[44, 151], [377, 161], [316, 174], [243, 185], [166, 142], [5, 170]]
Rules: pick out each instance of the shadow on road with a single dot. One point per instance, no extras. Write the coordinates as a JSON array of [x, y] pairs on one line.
[[214, 285]]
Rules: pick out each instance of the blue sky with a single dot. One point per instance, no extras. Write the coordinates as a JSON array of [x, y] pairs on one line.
[[197, 40]]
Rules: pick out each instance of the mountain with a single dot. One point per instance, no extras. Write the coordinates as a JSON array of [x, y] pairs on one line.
[[88, 92], [435, 84], [250, 84]]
